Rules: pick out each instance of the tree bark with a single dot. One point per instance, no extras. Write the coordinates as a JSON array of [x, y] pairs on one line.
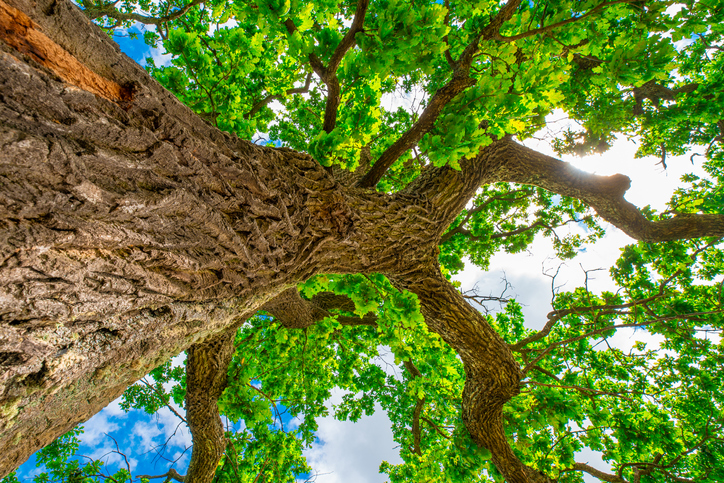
[[492, 375], [206, 367], [605, 194], [132, 230]]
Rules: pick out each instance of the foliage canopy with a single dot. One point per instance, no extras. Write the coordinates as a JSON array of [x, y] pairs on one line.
[[325, 77]]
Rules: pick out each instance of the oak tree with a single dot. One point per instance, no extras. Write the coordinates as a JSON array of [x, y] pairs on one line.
[[139, 221]]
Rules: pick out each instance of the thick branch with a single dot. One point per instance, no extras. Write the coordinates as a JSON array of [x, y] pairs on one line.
[[328, 74], [459, 82], [450, 190], [291, 311], [519, 164], [141, 229], [413, 135], [206, 368], [294, 312], [349, 38], [492, 374]]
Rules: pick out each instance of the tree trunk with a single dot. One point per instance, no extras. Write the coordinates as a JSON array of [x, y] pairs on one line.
[[131, 229]]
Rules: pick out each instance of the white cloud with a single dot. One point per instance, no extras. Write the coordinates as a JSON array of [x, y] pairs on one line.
[[155, 430], [159, 56], [650, 185], [96, 428], [352, 452], [410, 101]]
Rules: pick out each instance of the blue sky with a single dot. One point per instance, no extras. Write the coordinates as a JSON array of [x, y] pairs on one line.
[[135, 48], [152, 443]]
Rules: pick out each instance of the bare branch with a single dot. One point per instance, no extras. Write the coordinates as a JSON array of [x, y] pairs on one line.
[[555, 316], [610, 327]]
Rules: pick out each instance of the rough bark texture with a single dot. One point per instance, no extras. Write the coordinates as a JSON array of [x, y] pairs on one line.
[[130, 230], [206, 367], [603, 193], [492, 375], [293, 312]]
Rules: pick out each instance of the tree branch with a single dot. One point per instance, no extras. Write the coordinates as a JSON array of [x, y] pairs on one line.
[[605, 194], [172, 474], [206, 370], [478, 208], [165, 399], [607, 477], [492, 374], [581, 389], [416, 432], [348, 41], [328, 74], [413, 135], [436, 428], [610, 327], [314, 60], [554, 26], [111, 12], [459, 82], [294, 312], [264, 102], [555, 316]]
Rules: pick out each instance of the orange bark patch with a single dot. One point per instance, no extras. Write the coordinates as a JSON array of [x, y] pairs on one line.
[[22, 34]]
